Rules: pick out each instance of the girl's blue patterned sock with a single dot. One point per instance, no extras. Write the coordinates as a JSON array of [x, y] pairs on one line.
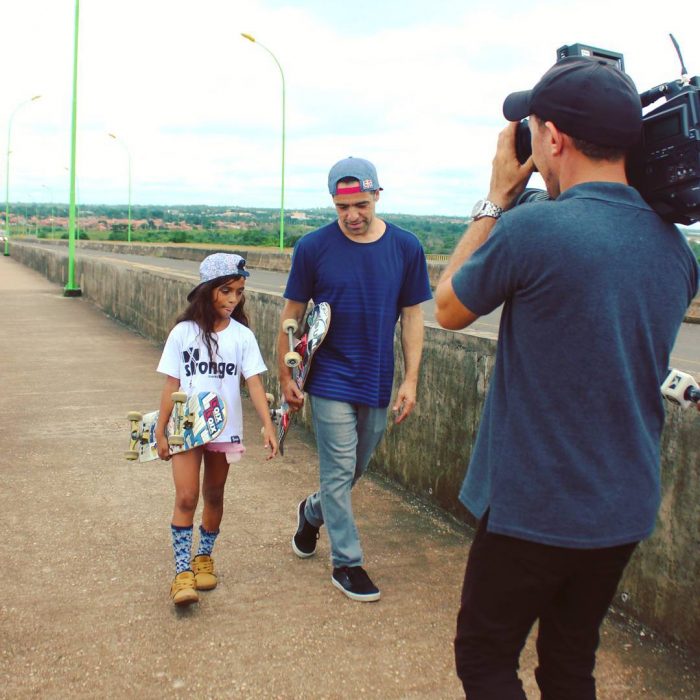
[[182, 547], [206, 541]]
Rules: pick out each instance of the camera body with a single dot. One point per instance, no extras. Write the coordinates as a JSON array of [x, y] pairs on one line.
[[665, 166]]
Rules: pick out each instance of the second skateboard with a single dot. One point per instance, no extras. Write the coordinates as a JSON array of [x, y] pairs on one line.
[[299, 357]]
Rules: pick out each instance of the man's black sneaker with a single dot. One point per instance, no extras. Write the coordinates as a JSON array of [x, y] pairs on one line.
[[304, 540], [355, 583]]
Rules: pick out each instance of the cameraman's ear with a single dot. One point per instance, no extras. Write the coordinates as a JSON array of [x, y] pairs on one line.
[[554, 138]]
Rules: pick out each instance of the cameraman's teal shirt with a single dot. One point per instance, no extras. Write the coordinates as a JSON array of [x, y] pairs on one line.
[[595, 287]]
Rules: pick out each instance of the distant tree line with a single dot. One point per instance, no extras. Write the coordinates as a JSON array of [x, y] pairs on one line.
[[201, 223]]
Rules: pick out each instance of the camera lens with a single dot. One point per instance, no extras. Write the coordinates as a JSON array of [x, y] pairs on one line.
[[523, 147]]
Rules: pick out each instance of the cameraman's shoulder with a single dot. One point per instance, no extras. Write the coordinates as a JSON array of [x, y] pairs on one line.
[[528, 217]]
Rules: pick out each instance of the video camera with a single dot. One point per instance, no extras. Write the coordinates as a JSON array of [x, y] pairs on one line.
[[665, 166]]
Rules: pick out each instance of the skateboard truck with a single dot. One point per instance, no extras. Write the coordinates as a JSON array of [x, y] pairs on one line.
[[181, 421], [134, 417], [275, 413], [292, 358]]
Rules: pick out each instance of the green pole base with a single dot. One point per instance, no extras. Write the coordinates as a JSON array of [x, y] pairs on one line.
[[72, 292], [7, 255]]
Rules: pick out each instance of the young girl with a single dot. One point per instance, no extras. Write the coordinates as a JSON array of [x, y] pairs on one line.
[[209, 349]]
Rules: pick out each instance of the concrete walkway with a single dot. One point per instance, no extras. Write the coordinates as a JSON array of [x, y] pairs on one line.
[[85, 613]]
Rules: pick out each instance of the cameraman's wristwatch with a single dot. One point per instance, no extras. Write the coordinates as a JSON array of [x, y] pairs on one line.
[[484, 207]]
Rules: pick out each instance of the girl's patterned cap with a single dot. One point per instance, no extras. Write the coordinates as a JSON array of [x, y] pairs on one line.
[[220, 265]]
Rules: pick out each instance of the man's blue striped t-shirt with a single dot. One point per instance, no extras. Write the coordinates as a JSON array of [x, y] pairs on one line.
[[366, 285]]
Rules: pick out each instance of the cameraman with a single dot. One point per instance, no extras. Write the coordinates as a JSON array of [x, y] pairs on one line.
[[564, 475]]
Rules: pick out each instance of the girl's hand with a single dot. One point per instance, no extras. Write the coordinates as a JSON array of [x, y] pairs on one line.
[[259, 399], [270, 440], [171, 385], [163, 448]]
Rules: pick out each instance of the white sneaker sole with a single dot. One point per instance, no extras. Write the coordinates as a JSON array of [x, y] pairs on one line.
[[360, 597]]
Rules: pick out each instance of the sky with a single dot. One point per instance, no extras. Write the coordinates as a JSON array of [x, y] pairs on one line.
[[415, 87]]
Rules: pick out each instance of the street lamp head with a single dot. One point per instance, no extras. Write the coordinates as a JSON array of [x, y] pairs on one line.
[[248, 36], [35, 98], [111, 135]]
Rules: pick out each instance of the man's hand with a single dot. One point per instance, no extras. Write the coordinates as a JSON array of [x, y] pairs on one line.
[[508, 176], [293, 395], [405, 401]]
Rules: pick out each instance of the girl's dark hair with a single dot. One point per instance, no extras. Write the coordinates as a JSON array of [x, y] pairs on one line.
[[201, 311]]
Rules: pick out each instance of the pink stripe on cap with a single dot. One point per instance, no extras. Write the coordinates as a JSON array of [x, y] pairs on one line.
[[348, 189]]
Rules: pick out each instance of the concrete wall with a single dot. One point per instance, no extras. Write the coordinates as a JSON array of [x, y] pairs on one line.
[[429, 455], [262, 259]]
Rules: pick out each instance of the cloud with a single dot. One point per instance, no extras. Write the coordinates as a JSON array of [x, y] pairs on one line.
[[417, 89]]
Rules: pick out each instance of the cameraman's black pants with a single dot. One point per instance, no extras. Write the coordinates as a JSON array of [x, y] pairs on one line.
[[508, 585]]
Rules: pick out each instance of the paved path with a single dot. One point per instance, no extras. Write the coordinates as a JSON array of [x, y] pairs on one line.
[[84, 611]]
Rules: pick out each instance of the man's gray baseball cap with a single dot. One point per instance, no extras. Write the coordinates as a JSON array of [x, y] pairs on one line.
[[356, 168]]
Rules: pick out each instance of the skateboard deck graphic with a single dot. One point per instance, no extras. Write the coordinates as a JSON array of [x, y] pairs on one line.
[[195, 420], [299, 357]]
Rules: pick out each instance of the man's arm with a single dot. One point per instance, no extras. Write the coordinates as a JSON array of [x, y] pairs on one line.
[[292, 394], [508, 180], [449, 311], [412, 347]]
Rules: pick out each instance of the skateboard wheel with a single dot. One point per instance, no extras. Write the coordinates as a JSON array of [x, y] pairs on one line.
[[176, 440], [179, 396], [290, 324], [292, 359], [131, 455], [270, 398], [134, 415]]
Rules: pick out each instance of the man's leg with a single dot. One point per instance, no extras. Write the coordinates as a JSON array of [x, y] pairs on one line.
[[568, 632], [346, 437], [506, 584], [335, 425], [371, 424]]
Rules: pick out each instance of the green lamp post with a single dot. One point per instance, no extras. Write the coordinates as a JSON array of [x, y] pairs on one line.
[[251, 38], [71, 289], [128, 157], [7, 172]]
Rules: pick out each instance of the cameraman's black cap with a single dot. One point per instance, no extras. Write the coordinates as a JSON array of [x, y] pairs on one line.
[[587, 98]]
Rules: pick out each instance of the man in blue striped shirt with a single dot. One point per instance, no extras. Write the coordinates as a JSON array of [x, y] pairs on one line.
[[371, 273]]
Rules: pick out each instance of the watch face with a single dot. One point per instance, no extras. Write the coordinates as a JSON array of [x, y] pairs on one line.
[[486, 208]]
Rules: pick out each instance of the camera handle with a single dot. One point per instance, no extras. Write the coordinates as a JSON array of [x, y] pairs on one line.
[[664, 90], [668, 90]]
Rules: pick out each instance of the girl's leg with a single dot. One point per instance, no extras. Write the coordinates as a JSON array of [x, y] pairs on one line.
[[185, 468], [215, 474]]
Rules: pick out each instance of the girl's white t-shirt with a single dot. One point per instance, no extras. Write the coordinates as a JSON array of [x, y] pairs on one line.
[[186, 358]]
